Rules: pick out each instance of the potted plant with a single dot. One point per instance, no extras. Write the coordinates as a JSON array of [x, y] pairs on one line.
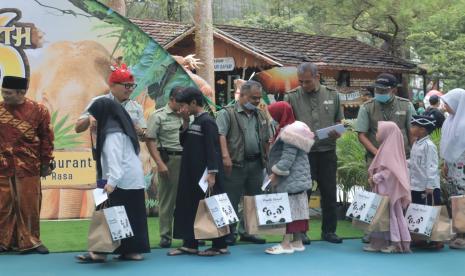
[[351, 168]]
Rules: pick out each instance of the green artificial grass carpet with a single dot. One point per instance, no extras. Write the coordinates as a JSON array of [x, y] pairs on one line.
[[71, 235]]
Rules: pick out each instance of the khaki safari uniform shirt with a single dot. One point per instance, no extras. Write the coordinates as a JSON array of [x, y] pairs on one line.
[[318, 109], [163, 126]]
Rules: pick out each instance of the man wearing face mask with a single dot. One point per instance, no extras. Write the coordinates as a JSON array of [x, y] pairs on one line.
[[244, 136], [385, 106]]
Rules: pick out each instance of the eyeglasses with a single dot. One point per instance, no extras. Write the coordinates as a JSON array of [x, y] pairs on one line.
[[127, 85]]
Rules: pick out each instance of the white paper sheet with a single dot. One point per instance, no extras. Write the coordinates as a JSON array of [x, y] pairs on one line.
[[323, 133], [203, 183], [266, 182], [100, 196]]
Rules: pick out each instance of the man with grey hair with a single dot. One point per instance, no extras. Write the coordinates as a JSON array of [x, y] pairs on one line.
[[318, 106], [244, 137]]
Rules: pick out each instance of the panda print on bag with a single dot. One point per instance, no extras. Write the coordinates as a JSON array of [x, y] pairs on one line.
[[274, 216]]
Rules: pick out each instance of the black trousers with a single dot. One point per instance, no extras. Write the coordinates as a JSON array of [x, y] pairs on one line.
[[134, 203], [323, 169], [421, 198]]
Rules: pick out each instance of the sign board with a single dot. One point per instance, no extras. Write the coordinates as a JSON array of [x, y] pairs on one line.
[[72, 170], [224, 64], [350, 96]]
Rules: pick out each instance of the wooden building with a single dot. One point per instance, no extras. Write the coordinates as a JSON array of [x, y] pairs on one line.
[[344, 63]]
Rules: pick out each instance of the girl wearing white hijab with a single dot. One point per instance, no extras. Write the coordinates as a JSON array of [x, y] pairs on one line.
[[453, 149]]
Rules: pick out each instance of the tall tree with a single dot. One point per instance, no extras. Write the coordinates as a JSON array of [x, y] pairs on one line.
[[204, 40]]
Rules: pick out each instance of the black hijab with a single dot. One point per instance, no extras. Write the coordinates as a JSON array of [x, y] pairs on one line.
[[107, 111]]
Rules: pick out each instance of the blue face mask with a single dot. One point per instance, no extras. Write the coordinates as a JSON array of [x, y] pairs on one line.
[[382, 98], [250, 106]]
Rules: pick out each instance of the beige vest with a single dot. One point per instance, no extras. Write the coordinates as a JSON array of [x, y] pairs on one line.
[[236, 137]]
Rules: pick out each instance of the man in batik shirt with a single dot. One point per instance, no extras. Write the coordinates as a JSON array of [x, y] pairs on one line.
[[26, 145]]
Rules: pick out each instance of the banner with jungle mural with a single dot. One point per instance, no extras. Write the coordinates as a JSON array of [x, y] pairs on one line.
[[66, 48]]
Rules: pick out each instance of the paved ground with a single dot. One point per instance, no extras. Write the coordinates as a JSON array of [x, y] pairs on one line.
[[321, 258]]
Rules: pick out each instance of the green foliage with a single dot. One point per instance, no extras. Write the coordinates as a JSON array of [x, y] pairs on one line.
[[351, 164], [151, 203], [432, 31], [64, 136], [439, 41]]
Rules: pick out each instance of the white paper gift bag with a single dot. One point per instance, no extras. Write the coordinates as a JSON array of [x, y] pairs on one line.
[[273, 209], [421, 218], [364, 206], [221, 210], [118, 222]]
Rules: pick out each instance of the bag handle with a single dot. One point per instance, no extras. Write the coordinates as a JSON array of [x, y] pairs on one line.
[[208, 193], [432, 199]]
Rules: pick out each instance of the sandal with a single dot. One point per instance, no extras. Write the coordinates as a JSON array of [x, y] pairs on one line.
[[212, 252], [123, 257], [390, 249], [458, 243], [182, 251], [279, 249], [369, 248], [87, 259], [298, 248]]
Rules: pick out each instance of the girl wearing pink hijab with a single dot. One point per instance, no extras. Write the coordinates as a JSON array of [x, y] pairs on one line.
[[388, 176]]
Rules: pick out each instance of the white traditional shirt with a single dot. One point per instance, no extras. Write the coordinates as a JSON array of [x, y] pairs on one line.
[[132, 107], [423, 165], [121, 166]]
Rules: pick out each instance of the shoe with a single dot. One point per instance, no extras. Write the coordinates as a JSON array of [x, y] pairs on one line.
[[41, 249], [165, 242], [331, 237], [368, 248], [252, 239], [305, 239], [366, 238], [230, 240], [278, 250]]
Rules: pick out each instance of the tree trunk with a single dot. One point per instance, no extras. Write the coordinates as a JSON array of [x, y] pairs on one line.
[[204, 41], [170, 8]]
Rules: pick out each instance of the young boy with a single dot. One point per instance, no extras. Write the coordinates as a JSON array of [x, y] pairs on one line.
[[423, 165]]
